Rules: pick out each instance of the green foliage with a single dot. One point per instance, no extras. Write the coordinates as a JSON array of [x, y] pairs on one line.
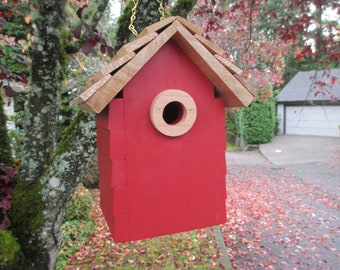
[[16, 27], [75, 233], [306, 64], [66, 114], [182, 7], [188, 250], [26, 215], [9, 248], [80, 205], [71, 131], [231, 146], [5, 148], [14, 59], [146, 14], [257, 123], [231, 127]]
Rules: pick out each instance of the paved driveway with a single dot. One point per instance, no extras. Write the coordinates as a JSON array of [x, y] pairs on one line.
[[314, 159], [293, 149], [284, 204]]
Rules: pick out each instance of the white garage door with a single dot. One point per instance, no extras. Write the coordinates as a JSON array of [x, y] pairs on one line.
[[313, 120]]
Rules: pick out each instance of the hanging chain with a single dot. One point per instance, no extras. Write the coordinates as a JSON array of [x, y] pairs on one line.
[[161, 9], [133, 18], [133, 15]]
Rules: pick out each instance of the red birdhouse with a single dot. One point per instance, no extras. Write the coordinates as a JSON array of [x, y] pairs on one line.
[[160, 106]]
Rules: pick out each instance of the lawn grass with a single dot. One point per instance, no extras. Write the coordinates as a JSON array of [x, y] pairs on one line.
[[231, 146], [88, 245]]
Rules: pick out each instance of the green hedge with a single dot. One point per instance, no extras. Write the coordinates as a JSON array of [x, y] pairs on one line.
[[257, 123]]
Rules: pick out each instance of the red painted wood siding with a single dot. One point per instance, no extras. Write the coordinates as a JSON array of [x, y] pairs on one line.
[[165, 184]]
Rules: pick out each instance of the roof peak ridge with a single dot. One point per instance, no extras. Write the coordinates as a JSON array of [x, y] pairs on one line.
[[163, 24]]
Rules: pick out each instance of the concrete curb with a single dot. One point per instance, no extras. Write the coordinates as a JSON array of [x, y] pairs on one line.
[[225, 261]]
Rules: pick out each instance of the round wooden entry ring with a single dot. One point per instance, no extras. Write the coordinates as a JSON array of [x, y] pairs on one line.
[[173, 112]]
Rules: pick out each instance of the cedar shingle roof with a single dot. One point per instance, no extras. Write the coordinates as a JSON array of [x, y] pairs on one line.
[[104, 85]]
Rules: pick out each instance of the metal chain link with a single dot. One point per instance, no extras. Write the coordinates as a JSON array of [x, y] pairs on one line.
[[133, 15], [133, 18], [161, 9]]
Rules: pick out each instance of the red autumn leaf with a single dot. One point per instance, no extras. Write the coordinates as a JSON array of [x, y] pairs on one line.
[[24, 79], [93, 42], [333, 80], [273, 261], [77, 32], [9, 91], [80, 11], [299, 57], [102, 49], [110, 51], [86, 47], [244, 241]]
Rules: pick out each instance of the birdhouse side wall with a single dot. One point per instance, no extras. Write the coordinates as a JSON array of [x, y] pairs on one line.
[[111, 163]]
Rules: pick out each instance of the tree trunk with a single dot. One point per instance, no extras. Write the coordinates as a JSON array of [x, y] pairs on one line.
[[42, 110], [50, 170], [319, 41]]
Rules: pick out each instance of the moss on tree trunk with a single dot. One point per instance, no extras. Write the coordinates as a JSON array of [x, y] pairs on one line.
[[5, 147], [50, 170]]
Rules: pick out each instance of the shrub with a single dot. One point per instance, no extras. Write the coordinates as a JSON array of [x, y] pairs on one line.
[[91, 177], [257, 123], [231, 126], [80, 205], [9, 249]]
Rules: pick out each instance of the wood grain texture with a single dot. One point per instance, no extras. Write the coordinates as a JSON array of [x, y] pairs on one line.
[[192, 28], [232, 91], [86, 108], [157, 26], [109, 68], [114, 65], [137, 43], [187, 112], [245, 84], [109, 90], [231, 67], [134, 55], [209, 45], [83, 97]]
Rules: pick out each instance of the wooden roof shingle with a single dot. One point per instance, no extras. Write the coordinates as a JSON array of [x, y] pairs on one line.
[[104, 85]]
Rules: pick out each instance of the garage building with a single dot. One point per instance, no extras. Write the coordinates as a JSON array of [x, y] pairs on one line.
[[310, 104]]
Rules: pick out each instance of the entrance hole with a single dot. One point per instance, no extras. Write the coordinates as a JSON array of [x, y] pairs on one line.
[[173, 112]]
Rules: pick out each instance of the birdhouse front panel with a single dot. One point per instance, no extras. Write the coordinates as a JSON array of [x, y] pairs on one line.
[[166, 182], [161, 130]]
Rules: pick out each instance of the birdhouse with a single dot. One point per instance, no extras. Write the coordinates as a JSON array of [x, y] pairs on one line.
[[160, 106]]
